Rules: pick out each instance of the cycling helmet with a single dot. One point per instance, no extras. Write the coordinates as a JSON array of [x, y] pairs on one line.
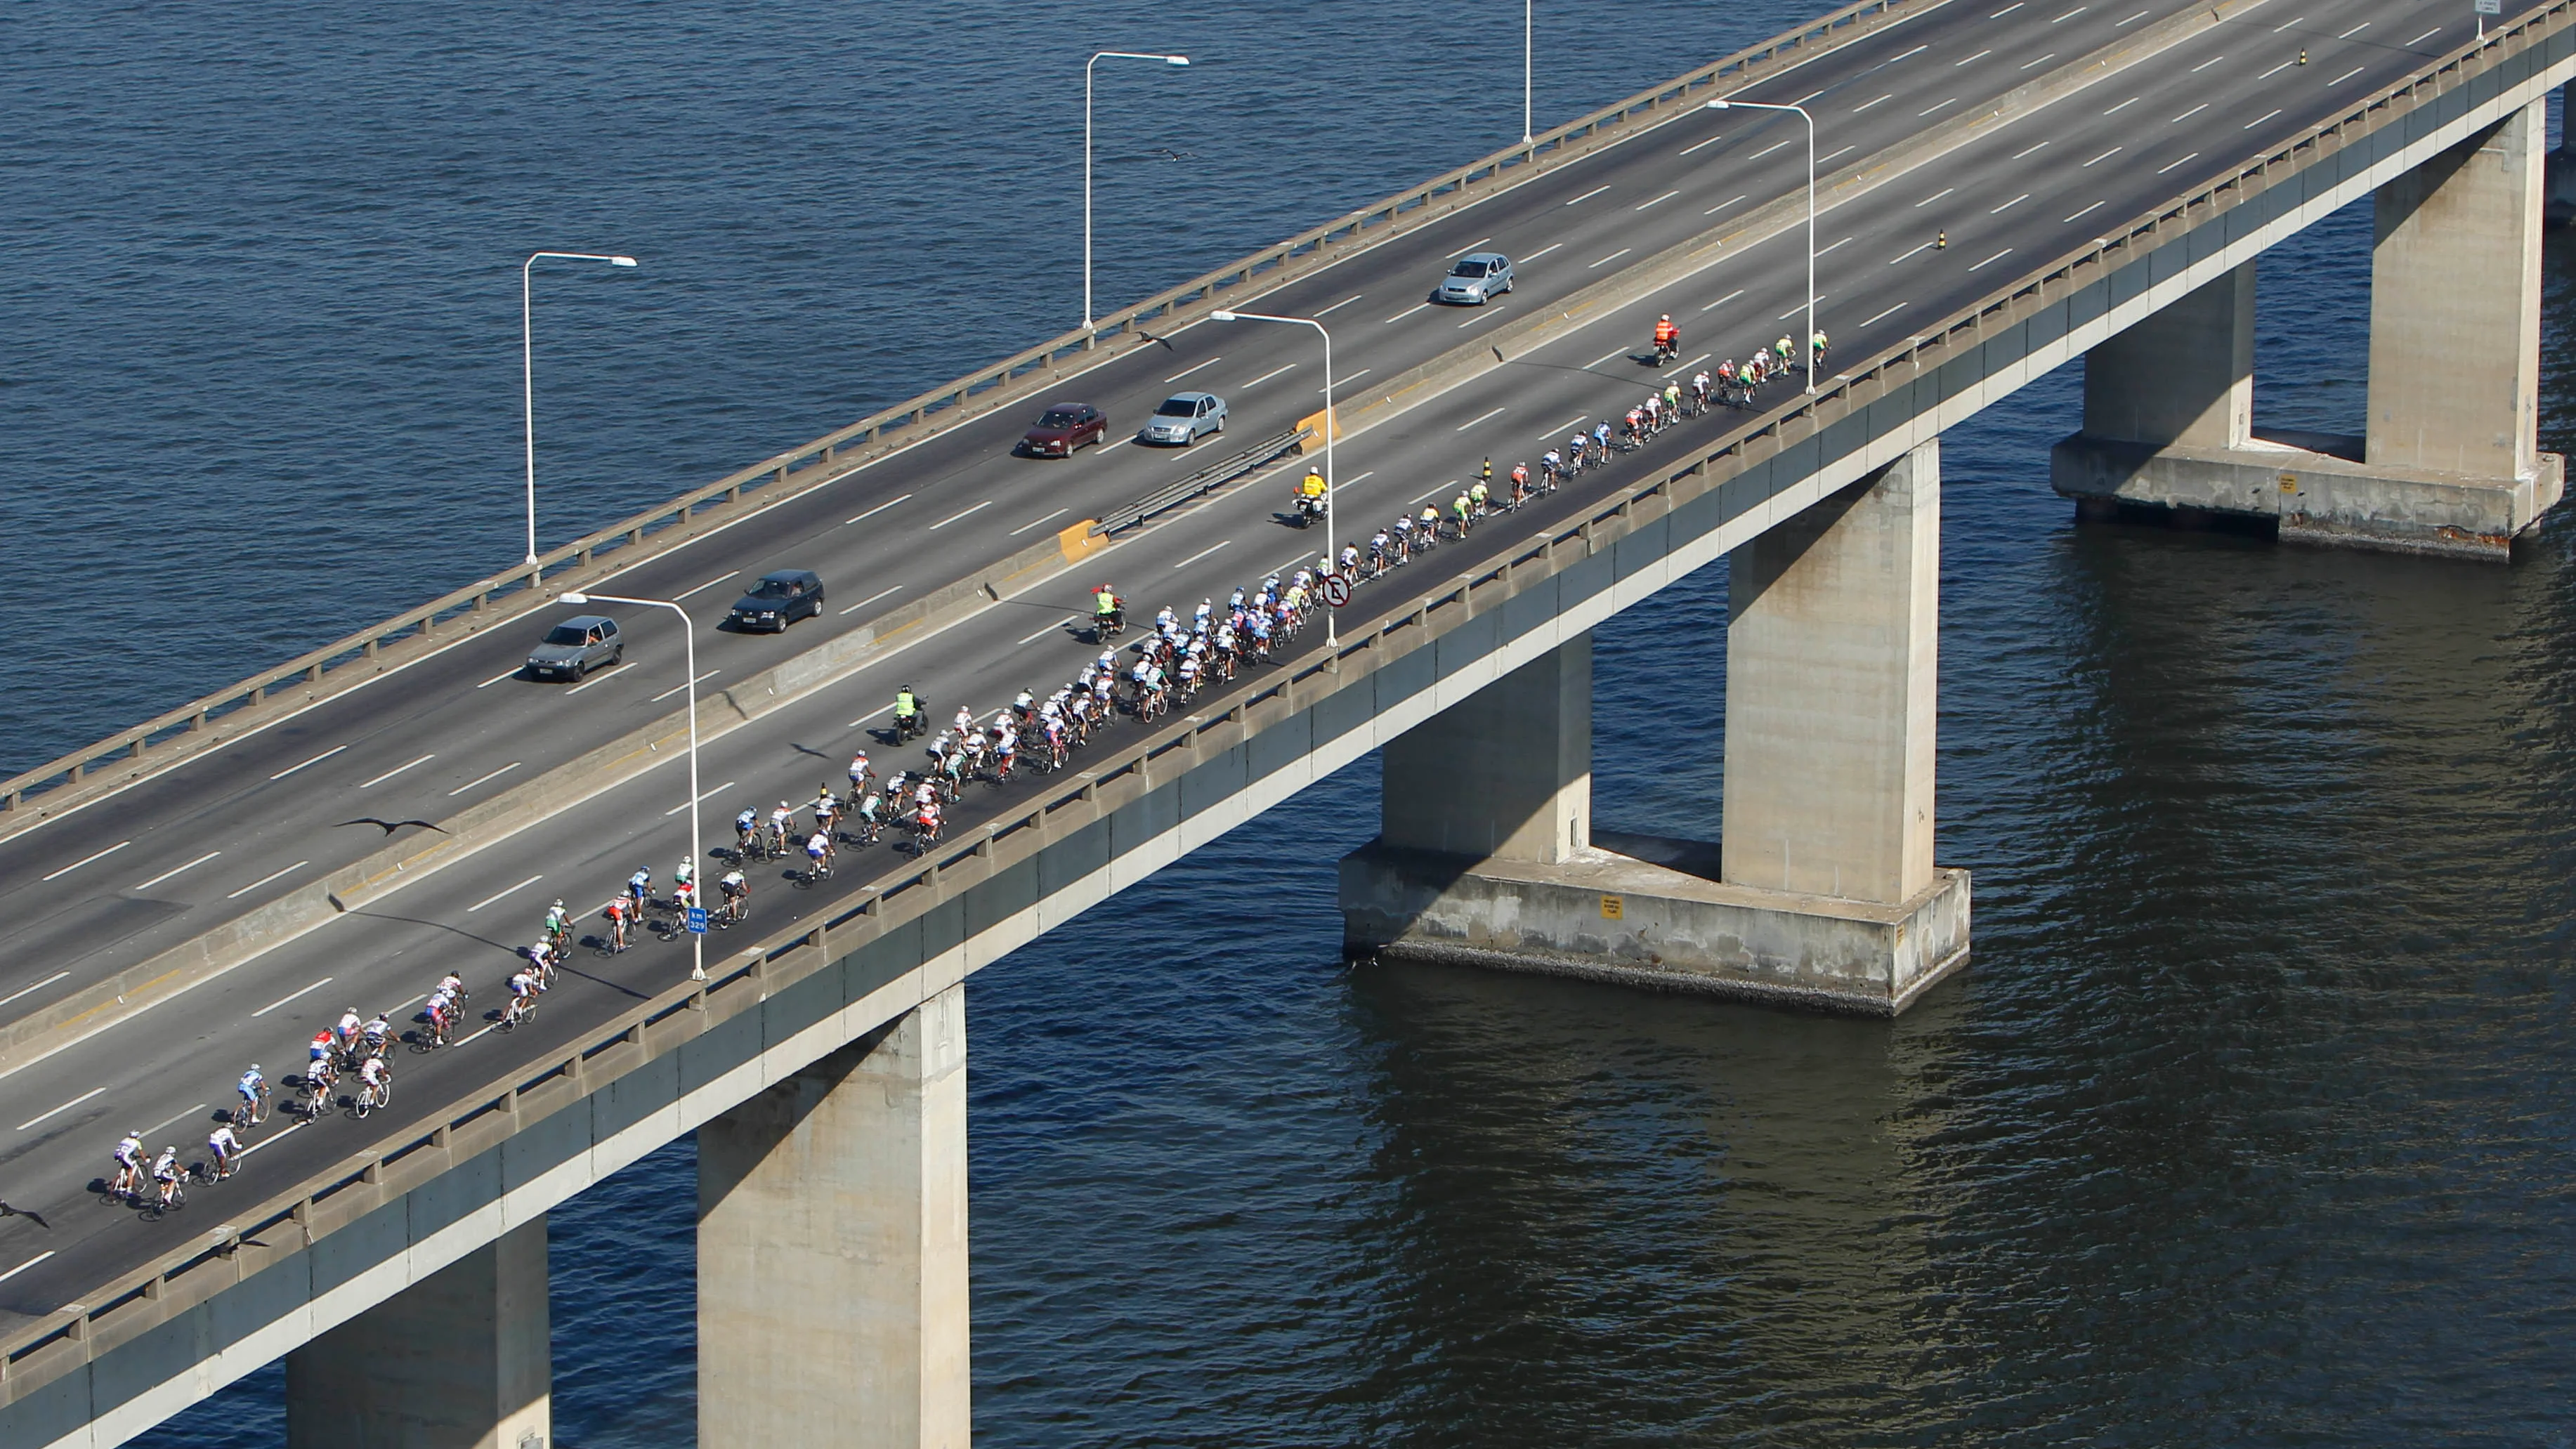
[[254, 1066]]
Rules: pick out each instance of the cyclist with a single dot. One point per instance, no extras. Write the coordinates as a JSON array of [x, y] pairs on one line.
[[165, 1173], [224, 1147], [861, 772], [523, 998], [1380, 551], [1430, 525], [818, 854], [1700, 391], [1601, 437], [618, 914], [1783, 351], [639, 886], [737, 895], [1479, 491], [541, 959], [1460, 507], [1520, 484], [1816, 349], [558, 924], [746, 830], [254, 1094], [318, 1057], [1403, 539], [684, 881], [442, 1016], [129, 1165], [375, 1082], [1668, 338], [1672, 399]]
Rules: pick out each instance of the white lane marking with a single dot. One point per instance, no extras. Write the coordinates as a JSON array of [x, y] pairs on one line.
[[1999, 256], [2043, 60], [23, 1267], [1355, 482], [1265, 377], [2132, 20], [2007, 10], [506, 890], [2206, 64], [1604, 357], [86, 859], [1794, 311], [263, 880], [1534, 256], [1346, 381], [39, 986], [2187, 115], [613, 673], [2286, 24], [1890, 312], [1836, 246], [2258, 120], [1337, 306], [1561, 427], [1767, 150], [1050, 518], [872, 598], [1919, 246], [873, 512], [2079, 216], [963, 513], [2276, 70], [1723, 205], [657, 699], [2427, 35], [1186, 371], [2122, 106], [292, 995], [702, 799], [2168, 166], [1587, 196], [1711, 141], [862, 719], [497, 678], [1722, 301], [1614, 256], [1042, 633], [1658, 201], [2356, 30], [1909, 55], [1485, 313], [487, 779], [1487, 418], [1865, 105], [1115, 443], [191, 865], [1927, 110], [173, 1117], [396, 770], [709, 584], [2107, 155], [1469, 247], [2027, 150], [1407, 312], [1836, 156], [1809, 96], [1202, 553], [280, 1137], [317, 759], [2071, 14], [2347, 75], [58, 1111], [2009, 205]]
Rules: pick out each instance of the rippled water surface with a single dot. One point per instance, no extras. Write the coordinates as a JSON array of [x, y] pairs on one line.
[[2248, 1124]]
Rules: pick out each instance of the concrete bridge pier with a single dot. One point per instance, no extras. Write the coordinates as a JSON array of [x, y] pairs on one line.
[[459, 1360], [832, 1271], [1823, 894], [2450, 461]]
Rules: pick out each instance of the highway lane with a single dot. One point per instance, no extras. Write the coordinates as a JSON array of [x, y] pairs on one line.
[[170, 1064], [170, 858]]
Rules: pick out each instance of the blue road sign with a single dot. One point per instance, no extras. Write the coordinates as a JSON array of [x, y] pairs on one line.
[[698, 919]]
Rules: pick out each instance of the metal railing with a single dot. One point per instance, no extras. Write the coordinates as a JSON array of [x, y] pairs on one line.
[[842, 451], [126, 1305], [1206, 480]]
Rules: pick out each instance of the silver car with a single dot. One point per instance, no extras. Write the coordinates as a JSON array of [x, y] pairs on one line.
[[1478, 278], [1184, 418], [577, 646]]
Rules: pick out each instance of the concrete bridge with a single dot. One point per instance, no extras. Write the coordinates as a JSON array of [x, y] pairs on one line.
[[2005, 188]]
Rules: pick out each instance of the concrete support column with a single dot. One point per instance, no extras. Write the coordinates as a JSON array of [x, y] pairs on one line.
[[459, 1360], [1832, 692], [2455, 307], [2185, 375], [832, 1270], [1506, 774]]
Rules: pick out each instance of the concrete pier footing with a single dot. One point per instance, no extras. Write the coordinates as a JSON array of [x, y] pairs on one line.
[[459, 1360], [1823, 895], [832, 1258], [2450, 460]]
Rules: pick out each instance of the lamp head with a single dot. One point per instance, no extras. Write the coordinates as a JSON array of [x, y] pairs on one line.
[[1222, 315], [1717, 105], [1176, 61], [621, 261], [575, 598]]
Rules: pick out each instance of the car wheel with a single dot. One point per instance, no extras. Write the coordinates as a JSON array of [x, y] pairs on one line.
[[580, 667], [617, 655]]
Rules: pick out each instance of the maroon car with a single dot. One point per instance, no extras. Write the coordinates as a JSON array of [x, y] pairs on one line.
[[1064, 427]]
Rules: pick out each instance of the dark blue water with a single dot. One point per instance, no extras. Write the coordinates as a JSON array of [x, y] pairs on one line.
[[2248, 1124]]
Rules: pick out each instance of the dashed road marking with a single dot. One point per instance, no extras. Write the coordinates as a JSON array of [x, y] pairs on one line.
[[317, 759], [487, 779], [872, 598], [962, 513], [396, 770], [1199, 367], [873, 512], [1587, 196], [86, 859], [1614, 256], [263, 880], [291, 996], [504, 891]]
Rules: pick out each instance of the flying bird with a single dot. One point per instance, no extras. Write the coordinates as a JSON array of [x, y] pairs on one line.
[[390, 826], [7, 1211]]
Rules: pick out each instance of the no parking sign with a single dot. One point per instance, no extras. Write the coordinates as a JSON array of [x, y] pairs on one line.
[[1337, 589]]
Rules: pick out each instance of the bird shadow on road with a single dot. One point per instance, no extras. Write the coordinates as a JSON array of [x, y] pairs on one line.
[[440, 925]]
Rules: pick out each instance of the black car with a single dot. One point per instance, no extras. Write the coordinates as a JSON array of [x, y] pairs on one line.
[[780, 598]]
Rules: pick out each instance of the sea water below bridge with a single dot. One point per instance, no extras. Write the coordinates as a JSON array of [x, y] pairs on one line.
[[2247, 1125]]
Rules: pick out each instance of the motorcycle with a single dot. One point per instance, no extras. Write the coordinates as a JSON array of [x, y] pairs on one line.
[[1309, 509]]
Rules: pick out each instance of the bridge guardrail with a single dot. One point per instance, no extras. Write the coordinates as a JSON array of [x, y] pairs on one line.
[[133, 1302], [1206, 480], [782, 476]]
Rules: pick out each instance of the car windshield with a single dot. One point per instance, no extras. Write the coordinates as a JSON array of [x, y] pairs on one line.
[[1469, 268], [566, 634], [1178, 407], [771, 589], [1058, 418]]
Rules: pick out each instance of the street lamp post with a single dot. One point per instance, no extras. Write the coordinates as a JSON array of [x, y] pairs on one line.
[[1809, 347], [1174, 61], [1332, 430], [1529, 58], [528, 367], [697, 857]]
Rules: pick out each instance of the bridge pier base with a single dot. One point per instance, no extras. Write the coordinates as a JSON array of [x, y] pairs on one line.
[[459, 1360], [832, 1270], [1824, 894], [2450, 463]]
